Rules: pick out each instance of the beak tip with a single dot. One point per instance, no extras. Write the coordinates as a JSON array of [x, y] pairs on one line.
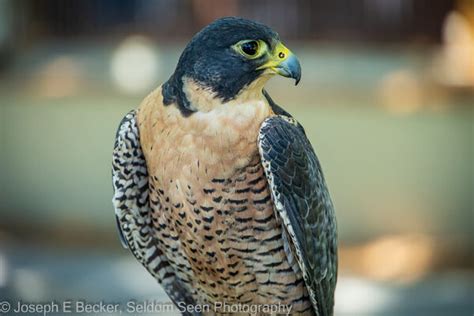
[[293, 69]]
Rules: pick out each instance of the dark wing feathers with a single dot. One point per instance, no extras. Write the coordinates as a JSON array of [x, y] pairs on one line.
[[132, 211], [303, 203]]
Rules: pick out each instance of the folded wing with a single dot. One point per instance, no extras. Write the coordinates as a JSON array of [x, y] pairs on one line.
[[303, 204]]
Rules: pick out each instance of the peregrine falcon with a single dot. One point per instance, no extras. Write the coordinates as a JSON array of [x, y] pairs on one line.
[[217, 190]]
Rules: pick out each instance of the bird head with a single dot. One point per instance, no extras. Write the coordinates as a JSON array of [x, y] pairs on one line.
[[228, 57]]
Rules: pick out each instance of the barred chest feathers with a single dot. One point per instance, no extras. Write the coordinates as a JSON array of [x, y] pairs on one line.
[[213, 142], [211, 204]]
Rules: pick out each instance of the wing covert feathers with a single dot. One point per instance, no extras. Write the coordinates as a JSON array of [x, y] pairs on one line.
[[303, 203]]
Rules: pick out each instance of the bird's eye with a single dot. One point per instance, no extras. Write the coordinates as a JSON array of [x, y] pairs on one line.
[[250, 47]]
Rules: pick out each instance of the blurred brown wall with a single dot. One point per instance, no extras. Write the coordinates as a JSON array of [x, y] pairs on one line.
[[369, 20]]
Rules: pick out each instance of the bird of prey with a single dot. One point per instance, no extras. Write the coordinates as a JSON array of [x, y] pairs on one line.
[[217, 190]]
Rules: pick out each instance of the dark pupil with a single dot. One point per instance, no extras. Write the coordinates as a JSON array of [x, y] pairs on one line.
[[250, 48]]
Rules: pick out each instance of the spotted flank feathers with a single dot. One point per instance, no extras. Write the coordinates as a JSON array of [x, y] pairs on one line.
[[132, 210]]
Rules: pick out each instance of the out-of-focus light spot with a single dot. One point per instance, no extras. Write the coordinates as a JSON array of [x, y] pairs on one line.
[[401, 92], [134, 67], [58, 78], [3, 270], [359, 297], [29, 285], [404, 258], [454, 66]]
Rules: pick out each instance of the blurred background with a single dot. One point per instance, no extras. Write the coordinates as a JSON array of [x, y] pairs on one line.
[[386, 97]]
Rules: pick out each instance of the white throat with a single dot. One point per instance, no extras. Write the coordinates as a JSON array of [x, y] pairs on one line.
[[245, 112]]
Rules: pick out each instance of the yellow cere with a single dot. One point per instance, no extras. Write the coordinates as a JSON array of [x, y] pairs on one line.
[[279, 54]]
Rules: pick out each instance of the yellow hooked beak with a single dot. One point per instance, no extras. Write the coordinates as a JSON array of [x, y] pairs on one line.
[[283, 62]]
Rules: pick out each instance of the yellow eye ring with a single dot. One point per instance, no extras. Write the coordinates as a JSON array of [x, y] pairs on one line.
[[251, 49]]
